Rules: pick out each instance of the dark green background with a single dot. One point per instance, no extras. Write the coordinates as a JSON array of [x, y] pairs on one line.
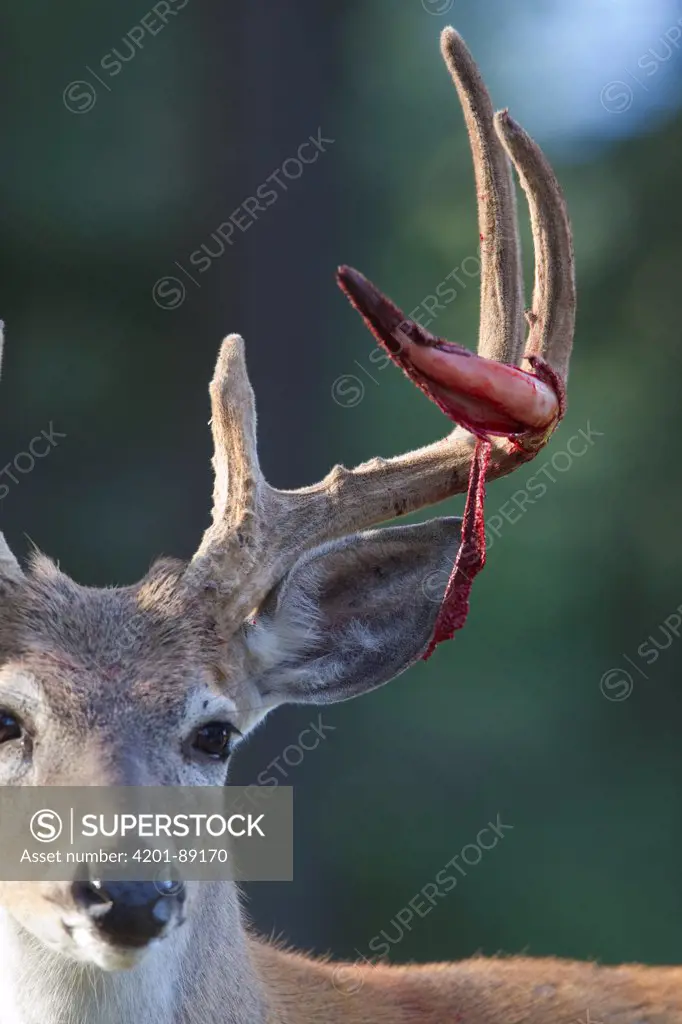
[[509, 718]]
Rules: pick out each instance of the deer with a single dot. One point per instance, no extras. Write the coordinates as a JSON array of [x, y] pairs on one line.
[[293, 596]]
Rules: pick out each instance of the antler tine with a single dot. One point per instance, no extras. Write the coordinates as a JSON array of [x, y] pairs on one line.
[[230, 546], [9, 567], [502, 327], [238, 479], [552, 319]]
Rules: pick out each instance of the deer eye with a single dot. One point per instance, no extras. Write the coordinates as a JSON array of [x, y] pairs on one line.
[[10, 727], [213, 739]]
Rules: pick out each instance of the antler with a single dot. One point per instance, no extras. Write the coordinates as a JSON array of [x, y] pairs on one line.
[[259, 531], [9, 567]]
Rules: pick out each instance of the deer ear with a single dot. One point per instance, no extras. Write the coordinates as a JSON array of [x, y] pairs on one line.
[[352, 614]]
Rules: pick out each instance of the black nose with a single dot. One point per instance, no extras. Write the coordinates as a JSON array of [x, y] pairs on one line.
[[128, 913]]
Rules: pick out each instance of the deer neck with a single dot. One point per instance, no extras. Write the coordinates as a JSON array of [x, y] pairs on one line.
[[201, 972]]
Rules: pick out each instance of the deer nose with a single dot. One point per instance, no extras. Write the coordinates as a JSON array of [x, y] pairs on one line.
[[128, 913]]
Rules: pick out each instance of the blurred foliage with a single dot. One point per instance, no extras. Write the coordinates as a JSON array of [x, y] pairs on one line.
[[508, 719]]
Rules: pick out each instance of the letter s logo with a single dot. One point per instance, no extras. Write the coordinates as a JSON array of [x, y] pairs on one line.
[[46, 826]]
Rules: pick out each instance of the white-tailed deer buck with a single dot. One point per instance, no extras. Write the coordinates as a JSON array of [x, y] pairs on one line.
[[285, 601]]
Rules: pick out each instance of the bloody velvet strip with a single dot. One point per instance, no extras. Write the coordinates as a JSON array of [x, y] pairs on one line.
[[394, 332]]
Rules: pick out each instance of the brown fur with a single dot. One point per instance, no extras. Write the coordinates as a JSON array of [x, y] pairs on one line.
[[478, 991]]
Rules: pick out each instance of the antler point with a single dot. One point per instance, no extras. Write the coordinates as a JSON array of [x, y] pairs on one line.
[[233, 341]]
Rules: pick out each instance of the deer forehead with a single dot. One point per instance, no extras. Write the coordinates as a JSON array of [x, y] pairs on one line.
[[91, 656]]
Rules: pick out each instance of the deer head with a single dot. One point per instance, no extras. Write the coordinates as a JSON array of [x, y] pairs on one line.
[[292, 596]]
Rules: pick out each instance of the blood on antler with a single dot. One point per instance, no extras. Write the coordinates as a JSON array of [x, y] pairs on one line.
[[507, 399]]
